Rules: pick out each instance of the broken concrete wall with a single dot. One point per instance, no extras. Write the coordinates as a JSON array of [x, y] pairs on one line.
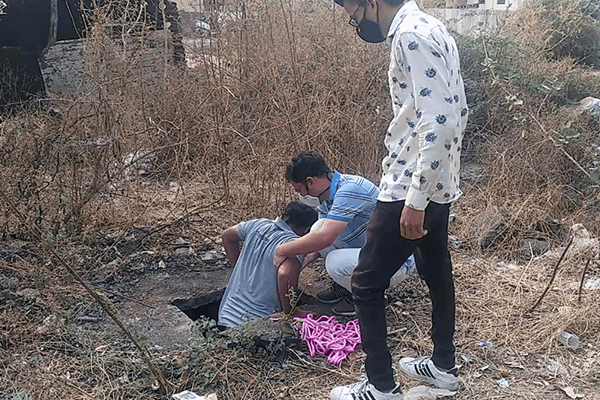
[[64, 65]]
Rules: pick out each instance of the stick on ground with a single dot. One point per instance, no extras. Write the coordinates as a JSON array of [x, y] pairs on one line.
[[583, 278], [553, 275]]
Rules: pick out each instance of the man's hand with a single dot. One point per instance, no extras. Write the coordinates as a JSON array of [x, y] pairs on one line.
[[411, 224], [278, 259], [310, 257]]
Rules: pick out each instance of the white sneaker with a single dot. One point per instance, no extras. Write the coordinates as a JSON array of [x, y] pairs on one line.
[[423, 369], [363, 390]]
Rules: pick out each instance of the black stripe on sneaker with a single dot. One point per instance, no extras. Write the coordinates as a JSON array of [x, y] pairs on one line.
[[354, 397], [429, 371], [371, 396], [424, 371]]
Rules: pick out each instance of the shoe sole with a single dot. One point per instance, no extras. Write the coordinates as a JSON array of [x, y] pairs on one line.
[[453, 387], [345, 314], [334, 301]]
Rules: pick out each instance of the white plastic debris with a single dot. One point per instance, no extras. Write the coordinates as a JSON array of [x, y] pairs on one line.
[[569, 391], [515, 364], [427, 393], [555, 367], [506, 266], [503, 383], [569, 340], [466, 358], [593, 284], [187, 395]]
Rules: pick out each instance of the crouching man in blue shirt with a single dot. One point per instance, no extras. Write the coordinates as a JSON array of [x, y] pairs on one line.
[[257, 287]]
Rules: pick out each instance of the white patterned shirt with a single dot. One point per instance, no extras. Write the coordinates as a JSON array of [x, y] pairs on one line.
[[430, 112]]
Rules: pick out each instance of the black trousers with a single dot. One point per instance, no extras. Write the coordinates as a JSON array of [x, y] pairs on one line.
[[382, 255]]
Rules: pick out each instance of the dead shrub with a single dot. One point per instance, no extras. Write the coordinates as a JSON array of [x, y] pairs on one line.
[[538, 161], [269, 85]]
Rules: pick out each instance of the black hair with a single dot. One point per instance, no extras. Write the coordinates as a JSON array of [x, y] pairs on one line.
[[299, 216], [305, 164]]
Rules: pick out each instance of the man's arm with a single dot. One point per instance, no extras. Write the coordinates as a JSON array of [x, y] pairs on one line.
[[231, 243], [311, 242], [287, 277]]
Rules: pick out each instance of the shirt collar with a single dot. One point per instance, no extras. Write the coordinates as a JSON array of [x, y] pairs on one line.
[[335, 179], [281, 224], [399, 17]]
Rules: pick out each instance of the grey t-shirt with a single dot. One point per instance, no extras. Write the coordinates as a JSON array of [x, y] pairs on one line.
[[252, 289]]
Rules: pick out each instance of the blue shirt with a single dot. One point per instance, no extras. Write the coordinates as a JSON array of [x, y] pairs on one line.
[[352, 199], [252, 289]]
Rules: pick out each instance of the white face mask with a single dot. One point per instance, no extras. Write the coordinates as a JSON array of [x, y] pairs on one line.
[[310, 201]]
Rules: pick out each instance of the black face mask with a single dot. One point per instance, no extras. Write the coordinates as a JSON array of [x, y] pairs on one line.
[[369, 31]]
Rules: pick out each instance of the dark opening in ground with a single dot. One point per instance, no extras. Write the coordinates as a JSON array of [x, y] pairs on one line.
[[206, 305]]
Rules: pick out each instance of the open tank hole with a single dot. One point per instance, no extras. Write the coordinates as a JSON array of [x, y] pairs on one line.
[[206, 305]]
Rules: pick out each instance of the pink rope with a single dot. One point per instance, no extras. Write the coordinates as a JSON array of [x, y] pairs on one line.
[[327, 336]]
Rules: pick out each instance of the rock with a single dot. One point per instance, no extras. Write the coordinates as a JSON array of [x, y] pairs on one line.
[[208, 257], [182, 247], [55, 113], [583, 243], [453, 242], [50, 323], [493, 228], [29, 294], [6, 295], [141, 161], [183, 251], [530, 248], [173, 187], [580, 232], [16, 396], [506, 266], [588, 108], [103, 240]]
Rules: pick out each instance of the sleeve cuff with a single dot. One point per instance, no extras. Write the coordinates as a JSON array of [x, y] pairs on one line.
[[416, 199]]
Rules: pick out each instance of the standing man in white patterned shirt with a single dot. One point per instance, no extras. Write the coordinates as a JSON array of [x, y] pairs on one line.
[[420, 180]]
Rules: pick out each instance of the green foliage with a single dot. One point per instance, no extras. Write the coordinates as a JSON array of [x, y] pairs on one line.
[[210, 348]]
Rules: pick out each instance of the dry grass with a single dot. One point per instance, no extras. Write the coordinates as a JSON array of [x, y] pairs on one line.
[[518, 160], [60, 358]]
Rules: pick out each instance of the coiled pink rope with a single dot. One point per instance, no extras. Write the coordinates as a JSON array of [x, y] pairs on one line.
[[327, 336]]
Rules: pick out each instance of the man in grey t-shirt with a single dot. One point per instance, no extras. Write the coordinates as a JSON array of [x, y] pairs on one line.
[[257, 287]]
